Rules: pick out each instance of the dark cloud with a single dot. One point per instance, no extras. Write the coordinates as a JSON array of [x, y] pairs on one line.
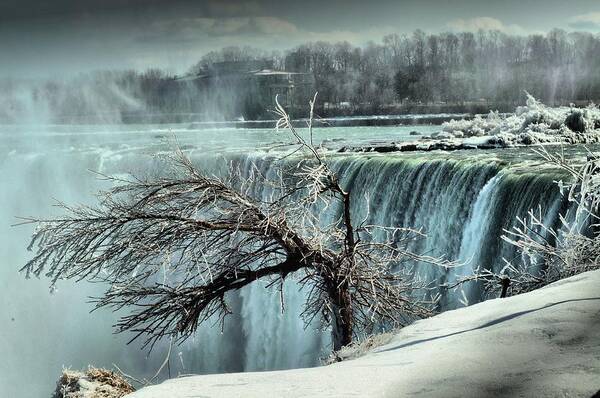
[[62, 36], [34, 9], [193, 29]]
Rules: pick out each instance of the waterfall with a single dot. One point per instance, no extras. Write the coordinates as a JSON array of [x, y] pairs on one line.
[[462, 205]]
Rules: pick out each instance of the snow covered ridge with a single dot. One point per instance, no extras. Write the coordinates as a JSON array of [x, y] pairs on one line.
[[531, 124], [545, 343]]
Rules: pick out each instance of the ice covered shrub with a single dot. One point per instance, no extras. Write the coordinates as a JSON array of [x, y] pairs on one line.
[[550, 253], [93, 383], [574, 246]]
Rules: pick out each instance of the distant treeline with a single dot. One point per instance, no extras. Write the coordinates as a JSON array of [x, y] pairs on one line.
[[449, 67], [454, 68], [419, 72]]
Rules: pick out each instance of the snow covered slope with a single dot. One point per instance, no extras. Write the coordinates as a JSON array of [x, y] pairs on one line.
[[541, 344]]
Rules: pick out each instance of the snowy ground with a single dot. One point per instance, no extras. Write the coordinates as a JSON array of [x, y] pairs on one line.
[[542, 344]]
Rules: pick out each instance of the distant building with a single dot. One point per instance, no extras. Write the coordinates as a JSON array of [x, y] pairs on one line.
[[248, 88]]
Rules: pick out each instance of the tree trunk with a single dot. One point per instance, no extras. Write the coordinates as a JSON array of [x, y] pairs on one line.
[[343, 322], [505, 283]]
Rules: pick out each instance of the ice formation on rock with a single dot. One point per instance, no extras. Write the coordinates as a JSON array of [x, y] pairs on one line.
[[533, 123]]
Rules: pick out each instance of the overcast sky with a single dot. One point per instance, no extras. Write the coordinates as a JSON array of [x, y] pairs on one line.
[[61, 37]]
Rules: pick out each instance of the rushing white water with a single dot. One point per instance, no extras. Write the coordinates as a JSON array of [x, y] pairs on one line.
[[475, 228], [477, 225], [463, 202]]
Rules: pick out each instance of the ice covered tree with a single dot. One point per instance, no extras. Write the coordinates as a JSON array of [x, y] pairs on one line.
[[574, 246], [550, 253], [171, 248]]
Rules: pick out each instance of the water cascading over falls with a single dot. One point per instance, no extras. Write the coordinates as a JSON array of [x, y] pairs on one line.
[[462, 204]]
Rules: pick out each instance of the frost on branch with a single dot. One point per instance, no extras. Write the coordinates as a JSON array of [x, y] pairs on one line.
[[549, 254]]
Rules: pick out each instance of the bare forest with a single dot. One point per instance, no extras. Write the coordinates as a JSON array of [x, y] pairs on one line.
[[416, 73]]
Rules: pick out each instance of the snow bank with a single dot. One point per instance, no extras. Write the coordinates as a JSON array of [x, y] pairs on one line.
[[532, 124], [541, 344]]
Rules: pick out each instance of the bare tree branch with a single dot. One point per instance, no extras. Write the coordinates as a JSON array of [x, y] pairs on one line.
[[172, 248]]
